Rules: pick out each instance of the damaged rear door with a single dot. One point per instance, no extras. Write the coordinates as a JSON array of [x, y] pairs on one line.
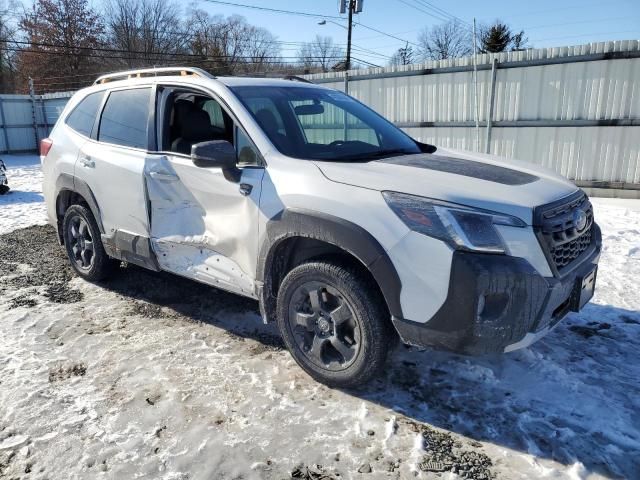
[[203, 221]]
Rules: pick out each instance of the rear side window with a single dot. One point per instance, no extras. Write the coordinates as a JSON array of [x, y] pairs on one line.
[[84, 114], [125, 117]]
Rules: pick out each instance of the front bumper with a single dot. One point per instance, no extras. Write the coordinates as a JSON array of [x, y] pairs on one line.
[[498, 303]]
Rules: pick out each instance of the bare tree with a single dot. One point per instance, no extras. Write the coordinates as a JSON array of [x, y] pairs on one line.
[[63, 36], [403, 56], [148, 32], [232, 45], [519, 41], [319, 54], [7, 49], [262, 49], [447, 40]]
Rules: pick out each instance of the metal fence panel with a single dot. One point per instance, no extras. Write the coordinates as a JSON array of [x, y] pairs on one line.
[[17, 129], [573, 109]]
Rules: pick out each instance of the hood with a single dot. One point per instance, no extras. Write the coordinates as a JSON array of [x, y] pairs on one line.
[[476, 180]]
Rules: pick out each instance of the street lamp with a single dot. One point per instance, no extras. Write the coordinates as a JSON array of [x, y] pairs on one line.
[[354, 6]]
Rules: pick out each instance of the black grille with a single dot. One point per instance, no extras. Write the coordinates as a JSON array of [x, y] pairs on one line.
[[566, 253], [560, 236]]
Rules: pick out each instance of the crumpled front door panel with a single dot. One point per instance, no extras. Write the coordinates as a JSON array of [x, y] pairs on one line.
[[202, 227]]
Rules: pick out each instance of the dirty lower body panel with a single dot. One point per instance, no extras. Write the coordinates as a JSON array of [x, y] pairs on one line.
[[499, 303]]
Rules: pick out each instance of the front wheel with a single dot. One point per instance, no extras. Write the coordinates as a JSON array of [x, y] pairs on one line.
[[334, 323], [83, 244]]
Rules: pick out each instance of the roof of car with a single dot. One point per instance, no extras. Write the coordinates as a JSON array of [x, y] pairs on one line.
[[193, 75]]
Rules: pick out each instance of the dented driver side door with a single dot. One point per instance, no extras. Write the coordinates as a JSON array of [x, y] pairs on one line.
[[204, 224]]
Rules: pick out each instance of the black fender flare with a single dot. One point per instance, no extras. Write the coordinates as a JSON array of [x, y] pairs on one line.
[[346, 235], [70, 183], [119, 245]]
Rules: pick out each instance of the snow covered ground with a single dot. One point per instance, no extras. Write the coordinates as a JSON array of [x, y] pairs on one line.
[[24, 204], [152, 376]]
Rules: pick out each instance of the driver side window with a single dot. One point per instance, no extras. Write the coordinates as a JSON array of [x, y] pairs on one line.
[[192, 118]]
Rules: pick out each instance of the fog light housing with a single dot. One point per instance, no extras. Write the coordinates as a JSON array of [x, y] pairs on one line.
[[491, 306]]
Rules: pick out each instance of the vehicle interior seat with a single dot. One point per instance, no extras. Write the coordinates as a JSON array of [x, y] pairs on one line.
[[267, 120], [192, 126]]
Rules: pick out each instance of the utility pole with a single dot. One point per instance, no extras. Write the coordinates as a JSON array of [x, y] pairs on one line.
[[347, 63], [354, 6], [34, 115]]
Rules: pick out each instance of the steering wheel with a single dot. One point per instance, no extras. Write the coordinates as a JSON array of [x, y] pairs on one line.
[[337, 143]]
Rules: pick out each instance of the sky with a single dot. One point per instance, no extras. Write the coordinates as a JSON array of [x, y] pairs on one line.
[[547, 23]]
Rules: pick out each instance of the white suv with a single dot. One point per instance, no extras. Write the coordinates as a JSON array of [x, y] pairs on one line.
[[342, 226]]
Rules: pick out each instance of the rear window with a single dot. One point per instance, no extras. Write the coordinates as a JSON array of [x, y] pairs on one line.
[[125, 117], [84, 114]]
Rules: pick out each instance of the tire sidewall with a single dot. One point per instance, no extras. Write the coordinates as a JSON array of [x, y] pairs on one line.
[[354, 293], [98, 269]]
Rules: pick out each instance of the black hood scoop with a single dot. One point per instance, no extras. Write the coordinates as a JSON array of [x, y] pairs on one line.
[[467, 168]]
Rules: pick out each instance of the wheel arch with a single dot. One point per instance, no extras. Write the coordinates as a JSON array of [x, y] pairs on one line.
[[73, 191], [298, 235]]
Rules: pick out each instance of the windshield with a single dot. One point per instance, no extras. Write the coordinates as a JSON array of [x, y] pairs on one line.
[[322, 124]]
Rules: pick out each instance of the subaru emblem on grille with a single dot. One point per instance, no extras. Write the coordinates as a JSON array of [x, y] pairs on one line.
[[580, 219]]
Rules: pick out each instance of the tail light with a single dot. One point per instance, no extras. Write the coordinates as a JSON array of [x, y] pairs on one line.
[[45, 146]]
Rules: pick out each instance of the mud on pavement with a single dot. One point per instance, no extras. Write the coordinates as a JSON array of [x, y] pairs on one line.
[[32, 261]]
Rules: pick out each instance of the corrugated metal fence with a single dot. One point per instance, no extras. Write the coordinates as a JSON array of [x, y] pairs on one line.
[[574, 109], [25, 119]]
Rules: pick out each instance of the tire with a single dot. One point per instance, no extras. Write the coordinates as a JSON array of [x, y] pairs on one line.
[[334, 324], [83, 244]]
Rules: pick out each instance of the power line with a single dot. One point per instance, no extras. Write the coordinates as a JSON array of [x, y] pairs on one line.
[[304, 14], [430, 5], [438, 17], [213, 59], [144, 54], [386, 34], [443, 17], [274, 10], [397, 33], [73, 80], [275, 42], [366, 63]]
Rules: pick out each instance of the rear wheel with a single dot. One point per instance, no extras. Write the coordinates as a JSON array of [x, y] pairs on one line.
[[333, 323], [83, 244]]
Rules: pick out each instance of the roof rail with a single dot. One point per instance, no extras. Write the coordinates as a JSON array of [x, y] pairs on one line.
[[152, 72], [295, 78]]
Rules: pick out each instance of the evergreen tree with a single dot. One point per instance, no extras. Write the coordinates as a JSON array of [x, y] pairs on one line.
[[498, 37]]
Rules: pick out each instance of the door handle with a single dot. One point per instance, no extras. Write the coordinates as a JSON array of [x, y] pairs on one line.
[[163, 176], [245, 189], [86, 161]]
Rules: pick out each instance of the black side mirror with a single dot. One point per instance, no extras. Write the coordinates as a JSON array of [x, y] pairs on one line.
[[425, 147], [215, 153]]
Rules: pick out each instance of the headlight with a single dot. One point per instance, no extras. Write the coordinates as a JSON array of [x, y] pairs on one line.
[[461, 227]]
